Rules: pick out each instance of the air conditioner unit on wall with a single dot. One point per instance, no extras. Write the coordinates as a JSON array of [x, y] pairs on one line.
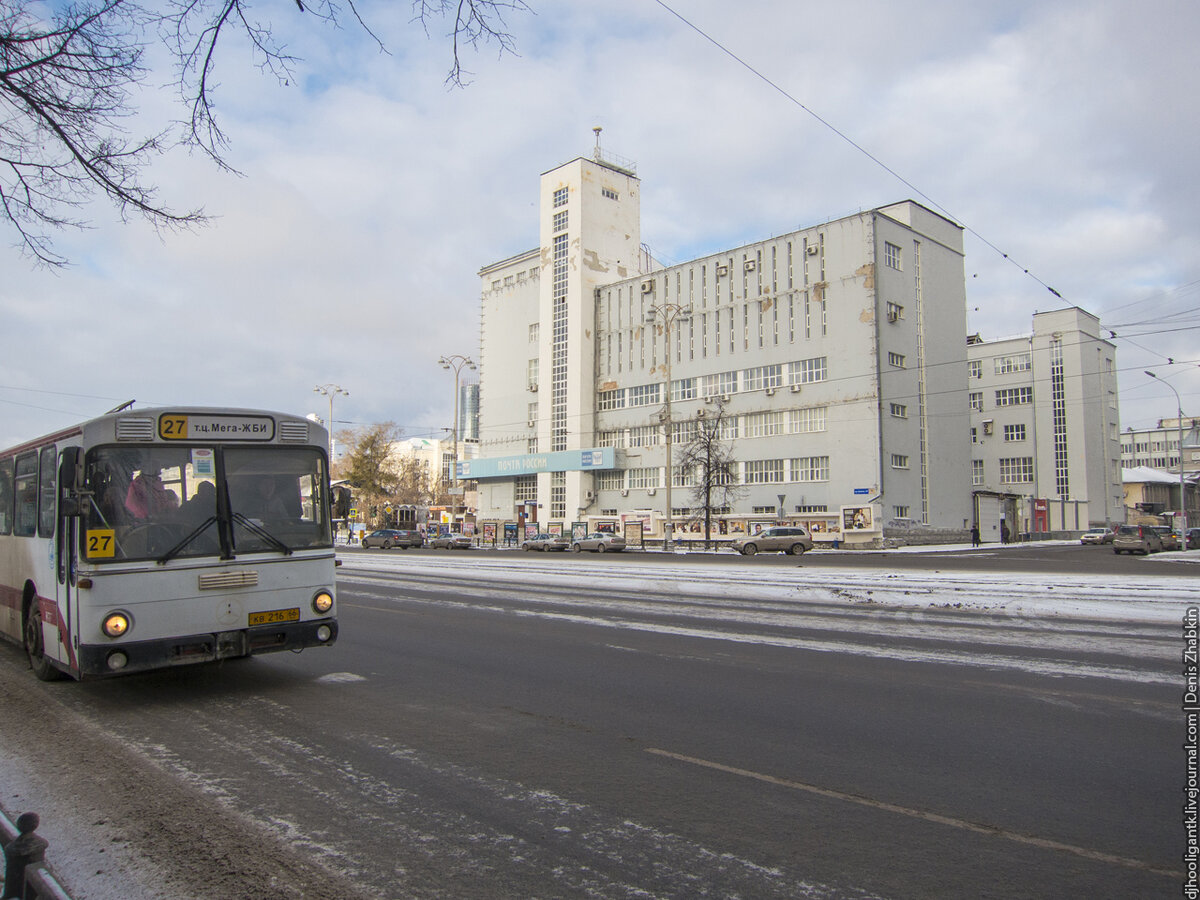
[[813, 249], [795, 388], [701, 413], [893, 316], [652, 491], [750, 264], [722, 270], [647, 287], [987, 426], [624, 492], [533, 387]]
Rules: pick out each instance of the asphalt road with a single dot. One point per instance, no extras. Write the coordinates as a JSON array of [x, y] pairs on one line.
[[556, 730]]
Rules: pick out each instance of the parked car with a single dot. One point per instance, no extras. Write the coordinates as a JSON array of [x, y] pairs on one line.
[[1137, 539], [791, 539], [1170, 540], [1097, 536], [451, 541], [546, 542], [387, 538], [1193, 539], [600, 542]]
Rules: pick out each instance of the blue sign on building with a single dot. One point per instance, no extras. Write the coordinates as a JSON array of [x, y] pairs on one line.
[[561, 461]]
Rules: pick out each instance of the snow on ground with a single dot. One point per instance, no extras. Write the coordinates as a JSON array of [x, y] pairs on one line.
[[1140, 597]]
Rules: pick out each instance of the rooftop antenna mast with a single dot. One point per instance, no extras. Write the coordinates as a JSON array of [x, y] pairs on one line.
[[597, 129]]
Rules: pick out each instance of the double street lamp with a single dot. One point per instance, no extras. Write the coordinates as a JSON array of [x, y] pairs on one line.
[[1182, 495], [456, 362], [668, 314], [330, 391]]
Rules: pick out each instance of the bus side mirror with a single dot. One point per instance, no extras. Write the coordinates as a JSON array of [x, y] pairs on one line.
[[70, 479]]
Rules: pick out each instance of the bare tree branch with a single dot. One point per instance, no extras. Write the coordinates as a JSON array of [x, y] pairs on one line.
[[69, 79]]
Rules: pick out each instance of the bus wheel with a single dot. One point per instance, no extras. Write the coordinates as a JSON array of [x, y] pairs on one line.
[[34, 647]]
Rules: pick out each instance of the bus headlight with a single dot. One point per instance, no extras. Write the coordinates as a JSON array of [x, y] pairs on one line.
[[322, 602], [117, 624]]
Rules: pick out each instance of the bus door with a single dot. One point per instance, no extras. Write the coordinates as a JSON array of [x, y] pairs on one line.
[[66, 539]]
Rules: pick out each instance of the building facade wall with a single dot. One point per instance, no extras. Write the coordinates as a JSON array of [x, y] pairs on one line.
[[1045, 420], [835, 350]]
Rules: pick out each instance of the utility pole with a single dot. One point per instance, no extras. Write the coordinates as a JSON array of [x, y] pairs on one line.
[[456, 362], [668, 314], [1182, 517], [330, 391]]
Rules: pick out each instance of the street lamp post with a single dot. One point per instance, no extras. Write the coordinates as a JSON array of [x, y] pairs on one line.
[[457, 362], [1182, 495], [668, 314], [330, 391]]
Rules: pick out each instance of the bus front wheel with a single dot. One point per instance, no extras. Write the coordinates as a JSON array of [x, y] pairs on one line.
[[34, 646]]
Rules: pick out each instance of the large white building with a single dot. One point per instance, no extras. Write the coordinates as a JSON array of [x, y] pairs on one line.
[[836, 353], [1045, 427]]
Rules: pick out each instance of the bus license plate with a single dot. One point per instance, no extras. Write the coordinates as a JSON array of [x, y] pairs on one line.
[[274, 616]]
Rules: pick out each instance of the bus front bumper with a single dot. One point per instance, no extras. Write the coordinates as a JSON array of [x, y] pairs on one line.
[[98, 660]]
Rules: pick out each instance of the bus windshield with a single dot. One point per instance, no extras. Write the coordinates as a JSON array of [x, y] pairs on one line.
[[167, 502]]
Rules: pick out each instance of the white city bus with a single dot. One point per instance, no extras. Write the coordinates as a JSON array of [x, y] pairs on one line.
[[157, 537]]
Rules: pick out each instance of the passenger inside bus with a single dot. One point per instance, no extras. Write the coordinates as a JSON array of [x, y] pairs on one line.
[[148, 497]]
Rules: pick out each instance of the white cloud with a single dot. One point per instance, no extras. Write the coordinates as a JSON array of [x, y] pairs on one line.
[[1060, 132]]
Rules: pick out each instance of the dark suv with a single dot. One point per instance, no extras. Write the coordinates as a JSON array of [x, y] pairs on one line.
[[387, 538]]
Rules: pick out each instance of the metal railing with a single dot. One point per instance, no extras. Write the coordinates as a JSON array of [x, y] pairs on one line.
[[27, 876]]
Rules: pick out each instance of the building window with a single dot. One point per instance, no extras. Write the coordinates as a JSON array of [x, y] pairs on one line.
[[810, 468], [560, 197], [558, 495], [895, 312], [1014, 432], [1006, 365], [899, 461], [764, 471], [763, 424], [974, 369], [643, 436], [609, 193], [899, 411], [1016, 470], [535, 331], [719, 384], [896, 359], [762, 377], [975, 399], [891, 256], [531, 374], [807, 371], [1014, 396], [525, 488], [804, 421], [610, 480], [977, 472], [614, 438], [611, 399], [645, 395], [560, 221], [644, 478], [974, 436], [531, 412], [900, 512]]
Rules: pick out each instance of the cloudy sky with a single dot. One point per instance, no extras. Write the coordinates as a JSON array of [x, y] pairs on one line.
[[1063, 133]]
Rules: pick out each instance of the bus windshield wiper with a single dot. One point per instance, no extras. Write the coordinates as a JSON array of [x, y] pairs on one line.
[[258, 531], [178, 548]]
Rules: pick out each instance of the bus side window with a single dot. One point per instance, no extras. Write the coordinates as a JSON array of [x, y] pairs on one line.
[[25, 486], [6, 496], [47, 492]]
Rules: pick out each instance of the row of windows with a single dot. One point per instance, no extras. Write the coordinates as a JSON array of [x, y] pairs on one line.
[[27, 494], [762, 424], [509, 280], [802, 469], [1019, 396], [1004, 365], [803, 371]]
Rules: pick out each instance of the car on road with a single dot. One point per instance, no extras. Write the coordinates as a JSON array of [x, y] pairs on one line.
[[387, 538], [599, 542], [1097, 536], [1141, 539], [791, 539], [1170, 540], [451, 541], [546, 542]]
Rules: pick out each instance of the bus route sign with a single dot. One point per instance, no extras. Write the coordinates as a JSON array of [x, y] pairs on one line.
[[215, 427]]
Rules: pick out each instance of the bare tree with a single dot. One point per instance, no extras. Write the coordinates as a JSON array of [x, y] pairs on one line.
[[709, 461], [69, 77], [370, 468]]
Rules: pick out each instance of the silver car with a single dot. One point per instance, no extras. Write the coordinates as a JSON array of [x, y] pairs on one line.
[[1141, 539], [546, 542], [600, 542], [792, 539], [452, 541]]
